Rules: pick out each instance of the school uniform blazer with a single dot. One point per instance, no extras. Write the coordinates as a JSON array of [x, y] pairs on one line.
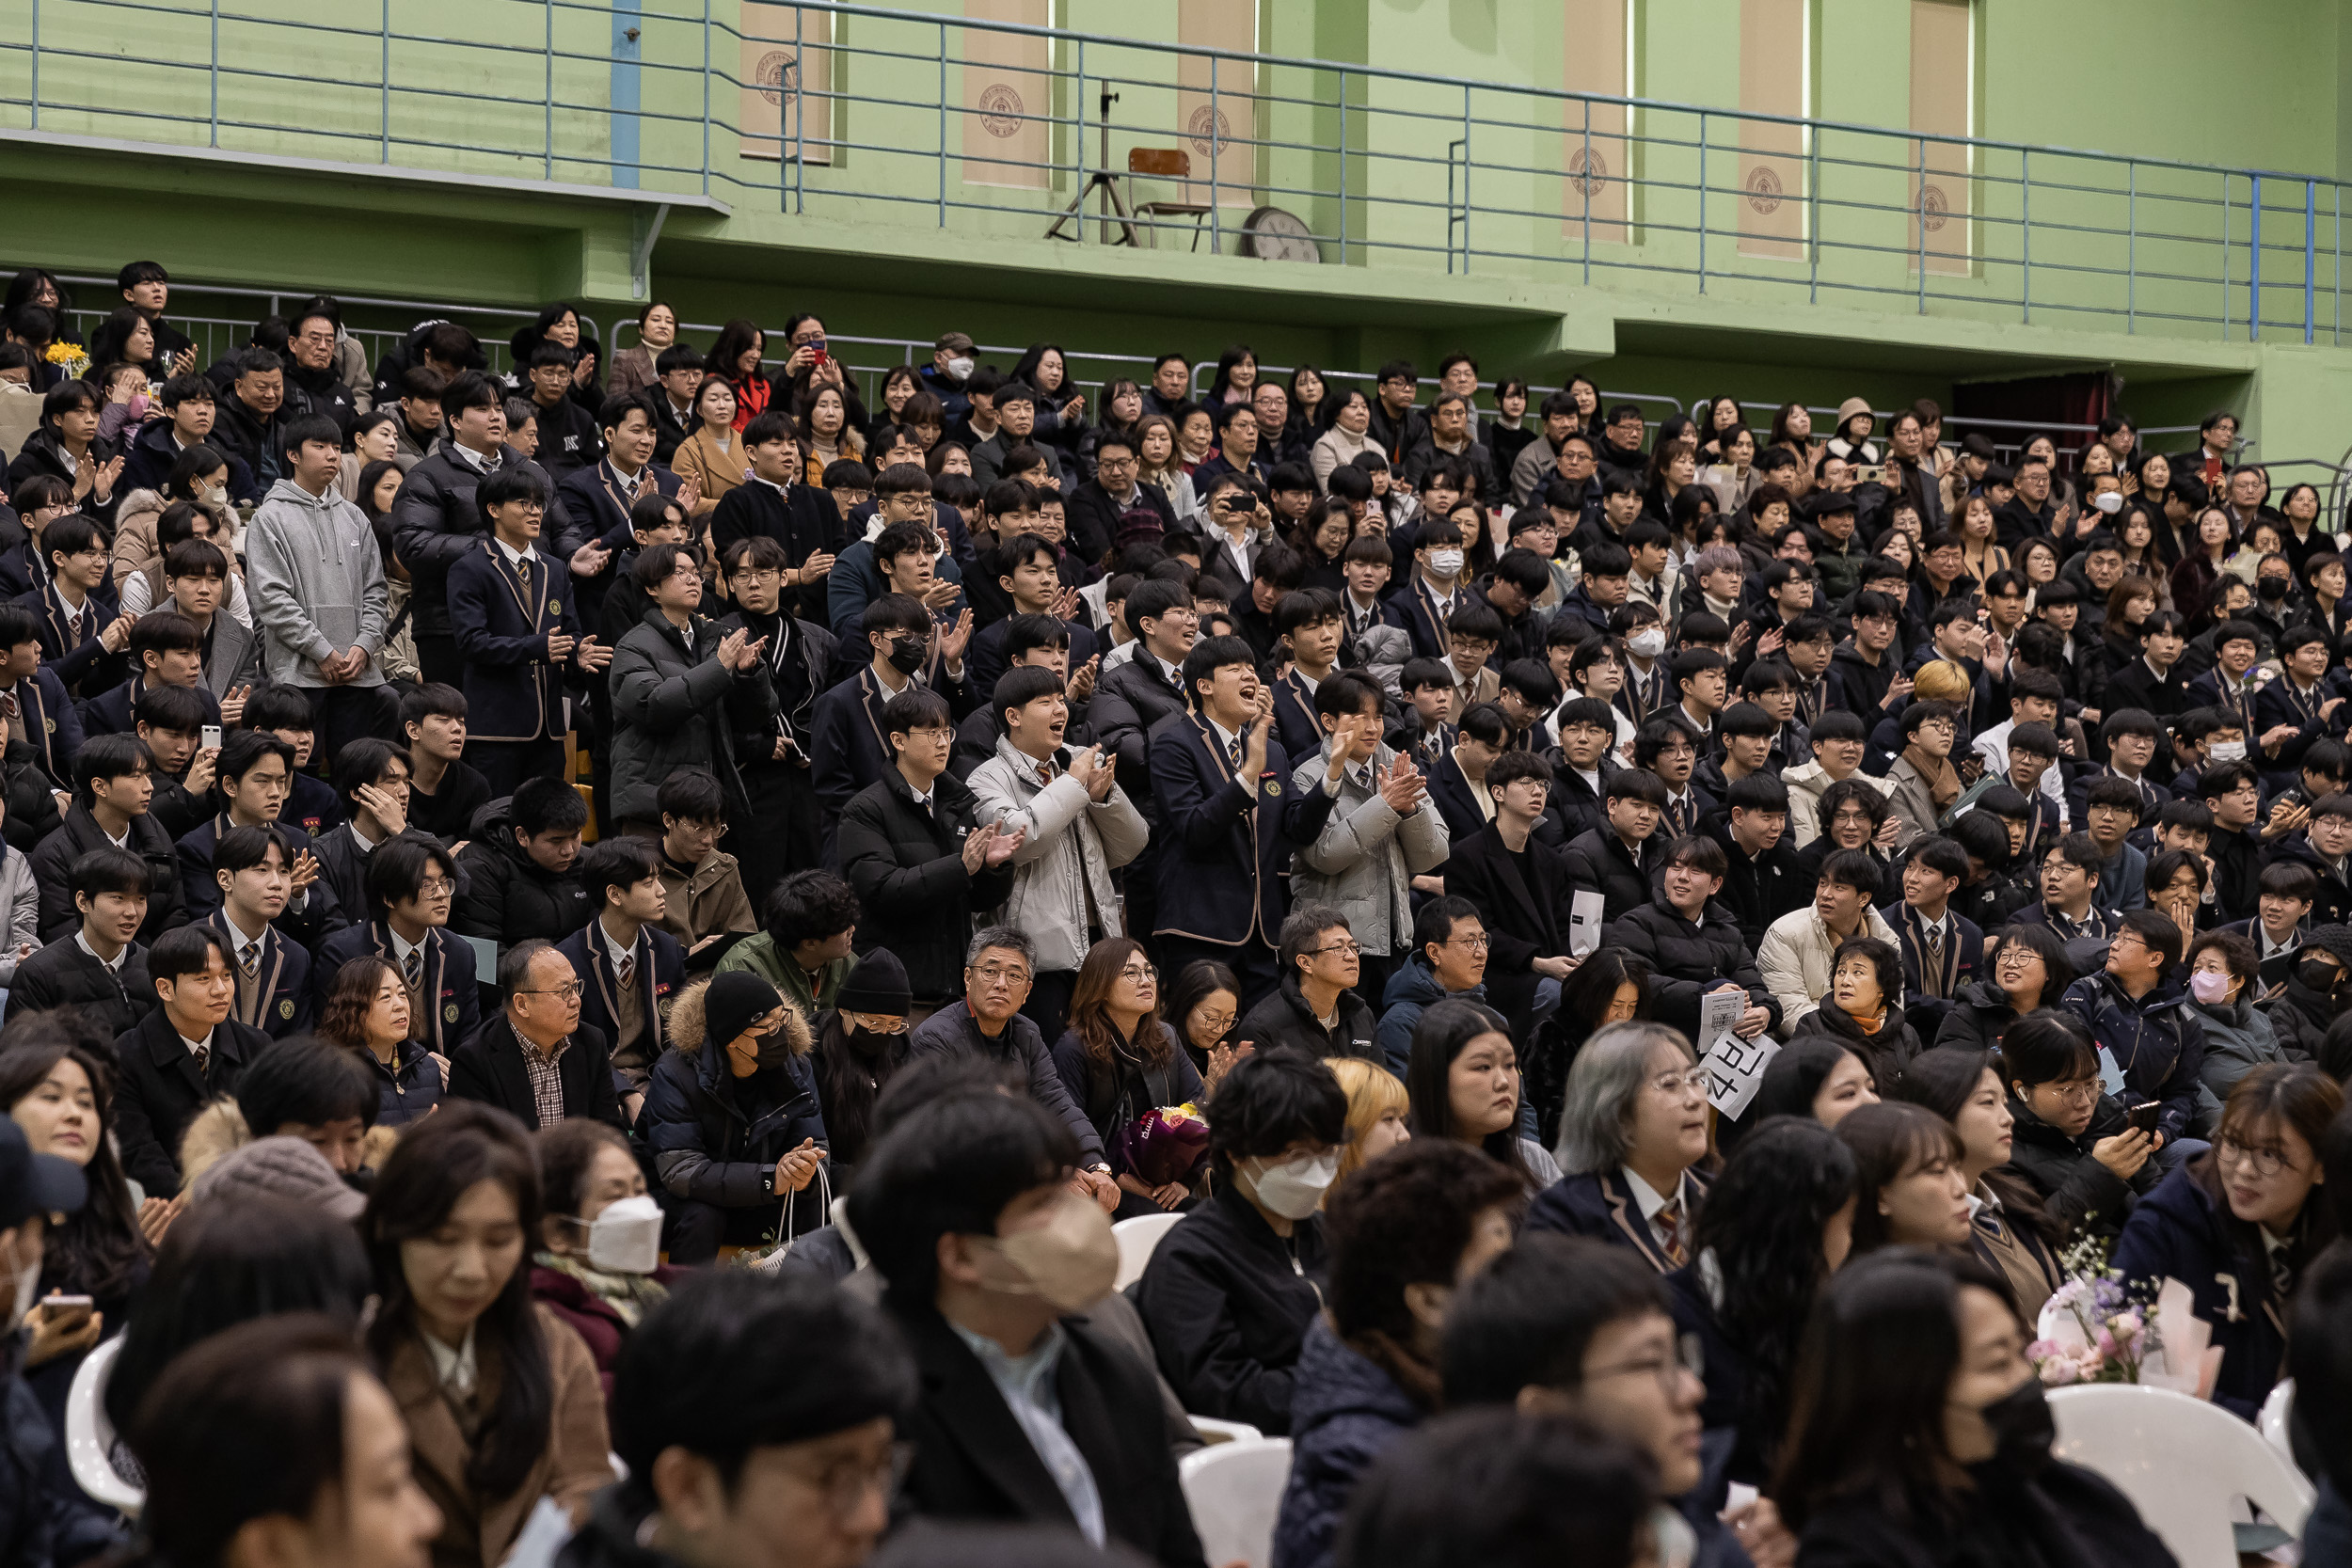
[[451, 1009], [114, 711], [1964, 950], [502, 623], [1600, 1205], [160, 1090], [1295, 723], [850, 749], [280, 1003], [660, 973], [47, 722], [2280, 703], [321, 915], [1417, 609], [597, 513], [70, 658], [1228, 840], [1450, 787], [973, 1461]]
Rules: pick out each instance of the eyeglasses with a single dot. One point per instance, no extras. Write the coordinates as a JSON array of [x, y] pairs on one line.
[[932, 733], [1692, 1082], [568, 992], [2266, 1162], [433, 887], [1013, 973], [1476, 944], [1346, 945], [847, 1483], [2084, 1093], [759, 579], [1139, 973], [1688, 1357]]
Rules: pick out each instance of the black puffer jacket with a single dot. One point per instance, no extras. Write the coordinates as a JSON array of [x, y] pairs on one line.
[[1601, 861], [1889, 1051], [906, 867], [507, 896], [76, 836], [2077, 1190], [1686, 962], [1285, 1018], [1979, 1016]]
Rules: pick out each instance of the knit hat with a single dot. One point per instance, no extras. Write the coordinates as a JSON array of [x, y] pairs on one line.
[[279, 1168], [1849, 408], [733, 1001], [2336, 940], [878, 985]]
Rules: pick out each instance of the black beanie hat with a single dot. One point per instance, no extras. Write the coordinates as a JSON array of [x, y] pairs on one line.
[[733, 1002], [878, 985]]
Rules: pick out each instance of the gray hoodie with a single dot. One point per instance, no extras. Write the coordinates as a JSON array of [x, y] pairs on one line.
[[315, 575]]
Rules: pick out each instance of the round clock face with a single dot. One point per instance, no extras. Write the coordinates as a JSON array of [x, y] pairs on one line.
[[1272, 234]]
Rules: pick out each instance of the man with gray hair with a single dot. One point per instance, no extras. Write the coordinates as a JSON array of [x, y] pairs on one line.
[[998, 969]]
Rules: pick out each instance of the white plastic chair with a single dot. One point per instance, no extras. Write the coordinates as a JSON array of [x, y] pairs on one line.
[[2181, 1462], [89, 1437], [1137, 1238], [1235, 1491], [2273, 1421], [1213, 1431]]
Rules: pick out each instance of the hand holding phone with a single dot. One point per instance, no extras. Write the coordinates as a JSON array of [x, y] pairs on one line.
[[2143, 1115], [209, 739]]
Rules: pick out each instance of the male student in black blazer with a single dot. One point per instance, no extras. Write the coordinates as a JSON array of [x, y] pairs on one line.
[[1942, 950], [622, 879], [1523, 889], [184, 1052], [253, 870], [541, 1016], [411, 881], [959, 1171]]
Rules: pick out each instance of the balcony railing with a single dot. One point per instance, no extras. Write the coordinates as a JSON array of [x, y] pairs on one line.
[[848, 112]]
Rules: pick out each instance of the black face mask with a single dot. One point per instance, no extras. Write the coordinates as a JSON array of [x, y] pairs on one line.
[[870, 1044], [773, 1049], [2022, 1427], [908, 654], [2319, 975], [2273, 589]]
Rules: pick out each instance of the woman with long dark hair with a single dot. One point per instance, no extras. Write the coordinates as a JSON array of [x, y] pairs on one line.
[[1919, 1435], [1463, 1080], [500, 1398], [367, 1014], [1778, 1220], [2009, 1230], [1045, 369], [736, 356], [2239, 1223], [1908, 1189], [276, 1431], [1236, 378], [1610, 986], [124, 336], [57, 1082], [1121, 1063], [861, 1044]]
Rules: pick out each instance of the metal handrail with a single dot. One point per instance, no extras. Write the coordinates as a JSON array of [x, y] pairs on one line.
[[2137, 242]]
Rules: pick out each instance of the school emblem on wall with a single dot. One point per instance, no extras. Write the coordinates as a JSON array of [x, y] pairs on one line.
[[1764, 190], [1208, 129], [778, 75], [1000, 110], [1587, 170], [1934, 208]]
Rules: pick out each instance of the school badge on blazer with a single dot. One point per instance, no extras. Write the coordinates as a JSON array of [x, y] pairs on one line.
[[285, 1008]]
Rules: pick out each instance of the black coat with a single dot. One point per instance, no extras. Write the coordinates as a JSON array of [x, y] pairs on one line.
[[1284, 1017], [1228, 840], [76, 836], [447, 1008], [489, 1067], [1760, 889], [1599, 1204], [2063, 1513], [716, 1138], [1095, 518], [435, 522], [849, 750], [1686, 962], [1226, 1303], [62, 975], [2076, 1191], [805, 521], [1129, 702], [906, 866], [973, 1461], [1525, 922], [159, 1089], [1600, 859], [509, 898], [1888, 1051], [1019, 1051]]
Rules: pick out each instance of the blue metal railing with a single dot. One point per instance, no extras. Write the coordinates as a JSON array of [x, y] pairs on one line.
[[1381, 166]]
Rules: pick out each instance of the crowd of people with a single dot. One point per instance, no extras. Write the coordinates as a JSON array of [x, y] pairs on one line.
[[643, 918]]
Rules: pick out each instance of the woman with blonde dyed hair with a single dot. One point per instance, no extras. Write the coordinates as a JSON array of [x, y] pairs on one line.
[[1379, 1113]]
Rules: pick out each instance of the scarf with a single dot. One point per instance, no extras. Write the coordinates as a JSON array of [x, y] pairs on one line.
[[1942, 783], [629, 1295]]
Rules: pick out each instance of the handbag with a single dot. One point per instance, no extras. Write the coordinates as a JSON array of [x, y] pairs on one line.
[[785, 1237]]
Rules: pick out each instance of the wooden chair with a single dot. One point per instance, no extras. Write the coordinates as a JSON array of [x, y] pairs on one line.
[[1165, 163]]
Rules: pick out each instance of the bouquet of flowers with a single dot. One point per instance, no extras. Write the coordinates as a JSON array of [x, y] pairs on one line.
[[2096, 1328], [72, 358], [1165, 1145]]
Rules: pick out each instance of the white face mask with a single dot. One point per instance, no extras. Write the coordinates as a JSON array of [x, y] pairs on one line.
[[1446, 563], [960, 367], [1647, 643], [2108, 501], [1295, 1188], [626, 1237], [2227, 751]]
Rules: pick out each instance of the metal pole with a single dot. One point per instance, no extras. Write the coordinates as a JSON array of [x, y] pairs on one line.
[[2254, 263], [2225, 257], [942, 125], [1465, 179], [2311, 248], [1589, 183], [707, 97], [1342, 167], [2024, 175], [799, 117], [215, 74], [1920, 218], [1813, 201], [2131, 250], [550, 56], [384, 76], [35, 65], [1078, 147], [1702, 203], [1217, 145]]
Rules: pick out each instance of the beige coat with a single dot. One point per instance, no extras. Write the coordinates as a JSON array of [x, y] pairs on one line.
[[573, 1467], [714, 472], [1806, 782], [1794, 959], [134, 535]]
